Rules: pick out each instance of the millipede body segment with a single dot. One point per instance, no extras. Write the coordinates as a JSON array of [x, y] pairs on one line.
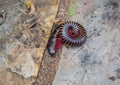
[[70, 33], [73, 33]]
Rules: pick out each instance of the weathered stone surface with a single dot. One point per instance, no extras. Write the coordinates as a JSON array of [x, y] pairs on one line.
[[97, 62], [22, 46]]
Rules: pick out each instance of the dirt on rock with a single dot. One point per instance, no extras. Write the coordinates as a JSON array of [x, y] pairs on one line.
[[23, 39]]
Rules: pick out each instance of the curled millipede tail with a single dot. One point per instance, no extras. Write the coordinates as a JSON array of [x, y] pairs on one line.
[[73, 33]]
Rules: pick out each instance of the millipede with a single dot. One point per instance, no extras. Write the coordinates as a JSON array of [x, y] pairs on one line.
[[71, 33]]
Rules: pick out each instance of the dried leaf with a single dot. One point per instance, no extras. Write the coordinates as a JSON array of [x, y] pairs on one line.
[[31, 6], [32, 10]]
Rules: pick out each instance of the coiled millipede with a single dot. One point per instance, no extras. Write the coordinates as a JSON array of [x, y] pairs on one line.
[[70, 33]]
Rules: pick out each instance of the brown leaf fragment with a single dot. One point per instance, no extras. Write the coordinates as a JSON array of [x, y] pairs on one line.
[[32, 9]]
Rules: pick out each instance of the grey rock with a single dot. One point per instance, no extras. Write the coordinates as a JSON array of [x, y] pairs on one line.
[[97, 62]]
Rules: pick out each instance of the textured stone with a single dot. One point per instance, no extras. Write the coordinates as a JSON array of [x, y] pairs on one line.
[[97, 62], [22, 45], [2, 62]]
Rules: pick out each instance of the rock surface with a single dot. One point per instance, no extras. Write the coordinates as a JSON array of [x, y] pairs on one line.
[[97, 62], [21, 44]]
